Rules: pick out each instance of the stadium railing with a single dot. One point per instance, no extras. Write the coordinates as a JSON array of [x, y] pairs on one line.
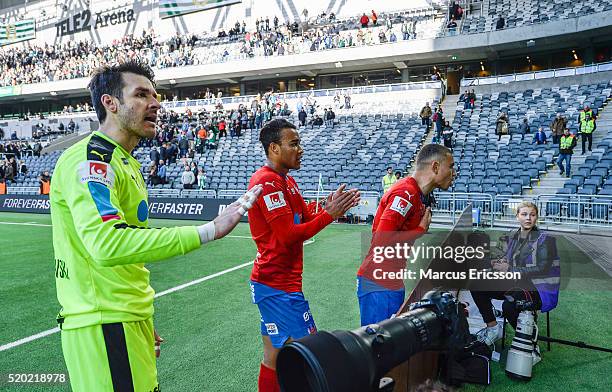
[[246, 99], [576, 211], [546, 74]]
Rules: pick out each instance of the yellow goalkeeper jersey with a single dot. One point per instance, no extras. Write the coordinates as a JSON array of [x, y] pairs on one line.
[[101, 239]]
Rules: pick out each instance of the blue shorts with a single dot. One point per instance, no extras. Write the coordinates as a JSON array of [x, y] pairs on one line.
[[283, 315], [377, 303]]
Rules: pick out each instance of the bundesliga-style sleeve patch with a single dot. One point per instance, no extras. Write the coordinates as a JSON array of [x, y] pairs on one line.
[[274, 200], [96, 171], [401, 205]]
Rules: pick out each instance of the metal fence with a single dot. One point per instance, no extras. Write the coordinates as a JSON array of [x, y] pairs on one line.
[[575, 212]]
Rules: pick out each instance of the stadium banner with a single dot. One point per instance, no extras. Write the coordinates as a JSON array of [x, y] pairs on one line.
[[204, 209], [22, 30], [171, 8]]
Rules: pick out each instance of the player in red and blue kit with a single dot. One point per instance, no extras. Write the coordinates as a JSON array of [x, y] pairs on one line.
[[401, 217], [280, 222]]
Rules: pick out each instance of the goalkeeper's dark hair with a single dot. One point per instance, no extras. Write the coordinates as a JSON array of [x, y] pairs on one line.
[[430, 153], [108, 80], [271, 132]]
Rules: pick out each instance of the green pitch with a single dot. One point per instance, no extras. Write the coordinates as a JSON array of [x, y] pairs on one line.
[[212, 329]]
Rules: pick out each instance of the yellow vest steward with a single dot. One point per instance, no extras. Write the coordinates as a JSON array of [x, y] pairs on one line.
[[388, 181], [588, 126], [566, 142]]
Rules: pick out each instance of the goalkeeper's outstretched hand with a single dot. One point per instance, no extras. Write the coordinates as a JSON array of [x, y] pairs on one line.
[[229, 218]]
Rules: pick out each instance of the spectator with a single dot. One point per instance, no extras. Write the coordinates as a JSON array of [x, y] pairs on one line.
[[425, 115], [153, 178], [222, 126], [317, 122], [201, 179], [347, 101], [540, 136], [405, 30], [388, 179], [45, 182], [566, 149], [472, 98], [465, 98], [438, 119], [374, 18], [172, 153], [398, 175], [9, 173], [447, 136], [501, 127], [183, 145], [154, 155], [392, 36], [23, 169], [161, 171], [524, 127], [557, 127], [452, 27], [587, 127], [329, 119], [187, 178], [37, 149], [364, 20], [302, 117], [501, 23]]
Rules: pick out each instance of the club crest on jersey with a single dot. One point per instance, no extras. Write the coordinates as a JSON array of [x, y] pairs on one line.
[[271, 329], [275, 200], [401, 205], [96, 171]]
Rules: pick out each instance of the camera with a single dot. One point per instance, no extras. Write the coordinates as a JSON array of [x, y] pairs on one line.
[[357, 360]]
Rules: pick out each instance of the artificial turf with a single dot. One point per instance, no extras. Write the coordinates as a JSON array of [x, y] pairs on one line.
[[211, 329]]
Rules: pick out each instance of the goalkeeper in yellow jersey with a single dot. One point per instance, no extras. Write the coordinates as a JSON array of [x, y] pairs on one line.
[[99, 210]]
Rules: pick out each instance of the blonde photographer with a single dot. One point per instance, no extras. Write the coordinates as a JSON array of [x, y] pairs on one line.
[[531, 252]]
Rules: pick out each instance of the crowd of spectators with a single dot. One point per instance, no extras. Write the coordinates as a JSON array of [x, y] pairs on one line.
[[12, 159], [38, 64]]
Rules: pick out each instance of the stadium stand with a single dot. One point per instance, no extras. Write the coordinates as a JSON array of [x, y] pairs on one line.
[[525, 12], [39, 64], [487, 161]]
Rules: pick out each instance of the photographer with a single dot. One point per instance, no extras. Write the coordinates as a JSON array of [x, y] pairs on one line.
[[532, 253]]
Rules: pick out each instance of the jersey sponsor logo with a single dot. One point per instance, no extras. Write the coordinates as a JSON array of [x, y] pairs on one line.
[[97, 172], [401, 205], [271, 183], [275, 200], [312, 329], [271, 329]]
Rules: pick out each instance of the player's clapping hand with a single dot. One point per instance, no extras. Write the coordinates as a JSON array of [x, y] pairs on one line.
[[229, 218], [339, 202]]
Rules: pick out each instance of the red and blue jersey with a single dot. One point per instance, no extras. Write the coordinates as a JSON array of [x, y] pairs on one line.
[[397, 219], [280, 222]]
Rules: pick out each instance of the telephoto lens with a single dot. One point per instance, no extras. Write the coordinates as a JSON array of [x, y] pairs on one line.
[[355, 361]]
